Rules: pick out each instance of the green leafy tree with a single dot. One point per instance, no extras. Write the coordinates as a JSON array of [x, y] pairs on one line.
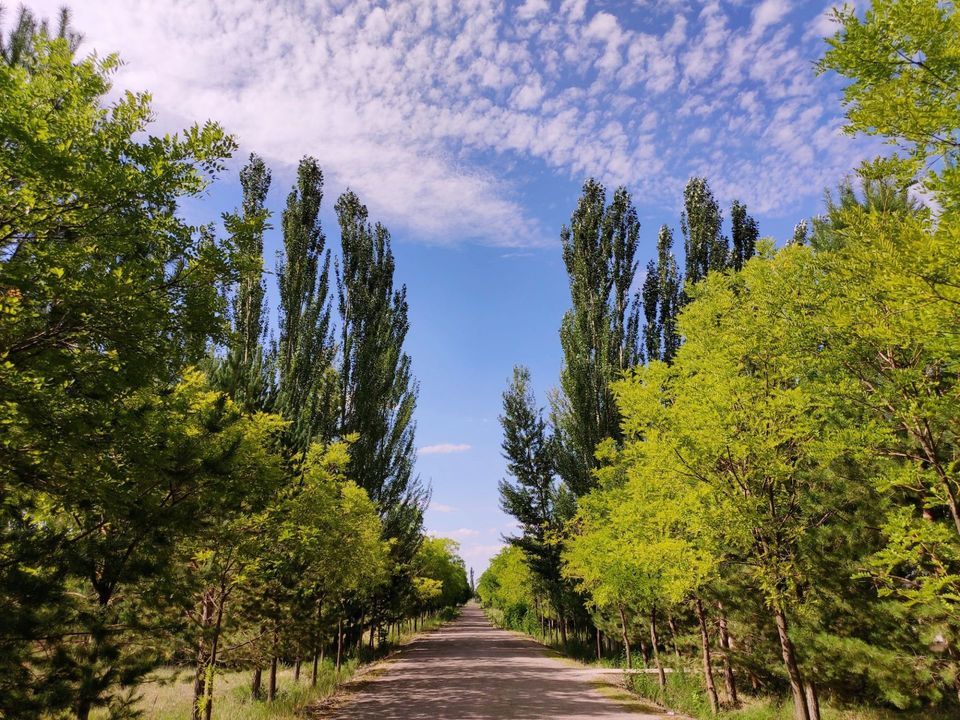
[[104, 293], [306, 387], [904, 71], [744, 233], [704, 247], [600, 333]]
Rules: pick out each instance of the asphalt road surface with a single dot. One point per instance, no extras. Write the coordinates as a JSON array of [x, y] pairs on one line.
[[469, 670]]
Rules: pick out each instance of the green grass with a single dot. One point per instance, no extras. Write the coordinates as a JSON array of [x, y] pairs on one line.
[[167, 693], [684, 693]]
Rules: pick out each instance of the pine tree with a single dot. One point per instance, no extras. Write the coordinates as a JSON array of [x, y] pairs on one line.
[[306, 385], [745, 235], [599, 334], [531, 499], [705, 248]]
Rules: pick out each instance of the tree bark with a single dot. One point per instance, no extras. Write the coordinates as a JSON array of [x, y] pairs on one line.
[[200, 672], [339, 643], [214, 648], [626, 638], [813, 700], [272, 687], [726, 646], [563, 631], [599, 652], [800, 709], [673, 636], [256, 683], [661, 675], [296, 670], [707, 664]]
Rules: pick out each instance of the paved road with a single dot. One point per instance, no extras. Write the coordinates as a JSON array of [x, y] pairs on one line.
[[469, 670]]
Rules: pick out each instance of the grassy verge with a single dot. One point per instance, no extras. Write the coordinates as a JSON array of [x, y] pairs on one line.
[[684, 692], [167, 693]]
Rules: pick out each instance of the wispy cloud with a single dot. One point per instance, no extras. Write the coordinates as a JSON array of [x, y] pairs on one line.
[[441, 508], [457, 534], [443, 449], [416, 105]]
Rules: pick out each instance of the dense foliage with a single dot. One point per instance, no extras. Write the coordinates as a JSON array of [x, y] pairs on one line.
[[174, 489], [778, 502]]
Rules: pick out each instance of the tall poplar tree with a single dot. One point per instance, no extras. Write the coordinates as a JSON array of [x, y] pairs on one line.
[[378, 393], [661, 301], [244, 373], [745, 235], [306, 380], [704, 246], [600, 333]]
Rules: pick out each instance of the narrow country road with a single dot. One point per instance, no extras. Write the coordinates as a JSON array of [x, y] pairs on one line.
[[470, 670]]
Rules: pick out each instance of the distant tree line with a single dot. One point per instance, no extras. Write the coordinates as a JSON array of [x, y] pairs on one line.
[[179, 482], [748, 473]]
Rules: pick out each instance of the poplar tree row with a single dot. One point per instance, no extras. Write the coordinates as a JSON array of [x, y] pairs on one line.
[[179, 484], [766, 496]]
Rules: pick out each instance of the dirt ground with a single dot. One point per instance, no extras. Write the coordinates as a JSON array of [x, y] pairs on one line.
[[470, 670]]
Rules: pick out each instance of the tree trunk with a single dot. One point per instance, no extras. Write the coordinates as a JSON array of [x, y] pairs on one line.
[[563, 631], [813, 700], [626, 638], [373, 627], [316, 668], [800, 709], [272, 687], [726, 646], [296, 670], [673, 636], [661, 675], [214, 647], [256, 683], [707, 665], [200, 672], [339, 643], [599, 652]]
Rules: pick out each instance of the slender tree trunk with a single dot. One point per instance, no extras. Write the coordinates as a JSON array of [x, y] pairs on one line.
[[707, 664], [214, 648], [661, 675], [813, 700], [726, 646], [599, 652], [339, 644], [626, 638], [272, 687], [673, 636], [200, 672], [296, 670], [563, 631], [644, 653], [256, 683], [800, 709], [316, 668], [373, 627]]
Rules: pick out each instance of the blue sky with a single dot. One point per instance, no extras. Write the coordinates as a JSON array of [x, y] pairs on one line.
[[468, 127]]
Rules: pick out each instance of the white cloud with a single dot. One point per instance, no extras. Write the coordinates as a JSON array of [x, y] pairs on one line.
[[768, 13], [441, 507], [444, 449], [417, 106], [457, 534]]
